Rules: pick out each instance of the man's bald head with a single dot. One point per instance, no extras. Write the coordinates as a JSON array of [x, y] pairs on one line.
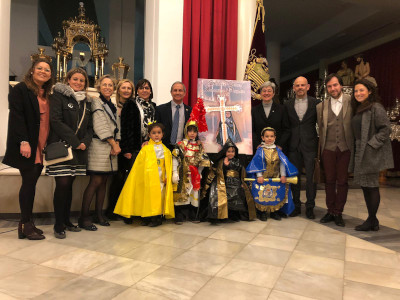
[[300, 87]]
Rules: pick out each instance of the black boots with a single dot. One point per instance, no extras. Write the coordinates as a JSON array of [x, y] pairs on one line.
[[29, 231]]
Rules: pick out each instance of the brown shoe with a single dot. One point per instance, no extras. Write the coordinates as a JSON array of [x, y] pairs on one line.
[[37, 230], [27, 230]]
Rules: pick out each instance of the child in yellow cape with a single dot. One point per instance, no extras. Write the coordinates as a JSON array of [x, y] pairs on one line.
[[148, 189]]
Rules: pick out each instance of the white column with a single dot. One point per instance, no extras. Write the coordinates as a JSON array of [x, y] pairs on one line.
[[5, 12], [274, 60], [246, 17], [163, 46]]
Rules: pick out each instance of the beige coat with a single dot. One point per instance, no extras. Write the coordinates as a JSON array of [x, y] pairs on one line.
[[322, 119], [104, 125]]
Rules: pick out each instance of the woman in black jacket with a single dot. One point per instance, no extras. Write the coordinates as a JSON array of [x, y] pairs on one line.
[[70, 121], [135, 116], [125, 91], [270, 114], [28, 129]]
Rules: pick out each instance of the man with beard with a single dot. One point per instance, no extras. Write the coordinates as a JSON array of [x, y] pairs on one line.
[[334, 122]]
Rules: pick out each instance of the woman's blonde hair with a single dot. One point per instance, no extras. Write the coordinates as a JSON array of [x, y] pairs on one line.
[[118, 97]]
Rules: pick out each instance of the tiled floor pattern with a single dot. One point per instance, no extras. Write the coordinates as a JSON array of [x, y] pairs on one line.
[[281, 260]]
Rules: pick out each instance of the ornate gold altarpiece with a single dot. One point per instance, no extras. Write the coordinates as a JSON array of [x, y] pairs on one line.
[[79, 30]]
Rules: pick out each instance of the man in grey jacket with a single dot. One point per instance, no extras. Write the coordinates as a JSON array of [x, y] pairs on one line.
[[336, 140]]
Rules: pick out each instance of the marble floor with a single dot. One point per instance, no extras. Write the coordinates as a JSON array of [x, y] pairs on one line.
[[295, 258]]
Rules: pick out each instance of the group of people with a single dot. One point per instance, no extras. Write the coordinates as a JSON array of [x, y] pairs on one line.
[[352, 137], [158, 165]]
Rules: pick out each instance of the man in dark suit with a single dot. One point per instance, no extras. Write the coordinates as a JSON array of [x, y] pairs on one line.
[[174, 115], [303, 143]]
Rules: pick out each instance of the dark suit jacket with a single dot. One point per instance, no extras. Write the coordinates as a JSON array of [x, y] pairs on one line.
[[23, 125], [164, 116], [303, 133], [277, 119]]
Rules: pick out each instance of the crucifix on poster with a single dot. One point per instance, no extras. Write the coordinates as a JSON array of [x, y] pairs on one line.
[[228, 114]]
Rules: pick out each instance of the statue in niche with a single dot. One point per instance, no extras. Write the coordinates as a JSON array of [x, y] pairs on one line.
[[363, 69], [81, 59], [346, 73]]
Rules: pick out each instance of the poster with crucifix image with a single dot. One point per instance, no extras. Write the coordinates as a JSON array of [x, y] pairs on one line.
[[228, 114]]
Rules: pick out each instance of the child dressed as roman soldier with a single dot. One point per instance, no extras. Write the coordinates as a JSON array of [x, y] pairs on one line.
[[189, 159]]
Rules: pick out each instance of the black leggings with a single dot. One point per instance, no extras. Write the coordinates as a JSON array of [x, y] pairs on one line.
[[30, 177], [62, 201], [372, 199], [97, 185]]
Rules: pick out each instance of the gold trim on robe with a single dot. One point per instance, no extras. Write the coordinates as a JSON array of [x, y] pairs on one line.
[[191, 154]]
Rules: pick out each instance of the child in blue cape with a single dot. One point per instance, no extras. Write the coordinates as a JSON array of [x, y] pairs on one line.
[[269, 162]]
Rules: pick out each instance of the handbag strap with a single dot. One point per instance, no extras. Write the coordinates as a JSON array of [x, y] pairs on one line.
[[83, 116]]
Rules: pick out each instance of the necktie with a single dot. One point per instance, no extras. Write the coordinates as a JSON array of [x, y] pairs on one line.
[[175, 125]]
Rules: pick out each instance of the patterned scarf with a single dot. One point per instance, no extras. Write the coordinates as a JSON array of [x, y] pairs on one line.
[[148, 113]]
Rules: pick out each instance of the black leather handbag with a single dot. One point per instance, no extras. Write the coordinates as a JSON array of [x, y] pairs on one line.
[[56, 152]]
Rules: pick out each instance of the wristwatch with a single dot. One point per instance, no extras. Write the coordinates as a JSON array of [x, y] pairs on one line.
[[24, 142]]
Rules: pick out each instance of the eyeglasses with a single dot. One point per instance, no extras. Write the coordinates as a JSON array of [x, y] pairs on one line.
[[47, 70], [144, 88], [107, 85]]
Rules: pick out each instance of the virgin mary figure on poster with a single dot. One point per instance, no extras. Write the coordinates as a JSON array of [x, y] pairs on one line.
[[228, 107]]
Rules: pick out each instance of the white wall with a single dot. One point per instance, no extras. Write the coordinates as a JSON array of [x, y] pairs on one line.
[[24, 35], [163, 46], [4, 65], [246, 17]]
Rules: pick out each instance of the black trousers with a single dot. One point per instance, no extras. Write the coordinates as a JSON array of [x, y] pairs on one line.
[[302, 158]]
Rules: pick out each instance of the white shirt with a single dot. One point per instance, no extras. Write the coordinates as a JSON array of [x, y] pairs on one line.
[[337, 104], [159, 154]]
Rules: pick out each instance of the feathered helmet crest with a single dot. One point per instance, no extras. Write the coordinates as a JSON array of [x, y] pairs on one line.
[[197, 117]]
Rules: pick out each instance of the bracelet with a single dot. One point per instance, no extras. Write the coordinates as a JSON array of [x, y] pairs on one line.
[[24, 142]]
